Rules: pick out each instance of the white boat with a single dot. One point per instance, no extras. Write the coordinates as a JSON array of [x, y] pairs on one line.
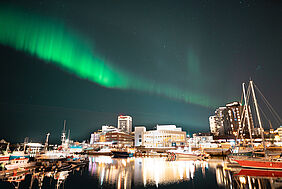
[[52, 155], [185, 153], [19, 163], [18, 155]]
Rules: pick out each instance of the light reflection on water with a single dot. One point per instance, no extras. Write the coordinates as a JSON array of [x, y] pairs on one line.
[[144, 171], [148, 172], [107, 172]]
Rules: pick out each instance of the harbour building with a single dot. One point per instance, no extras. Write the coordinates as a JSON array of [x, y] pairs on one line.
[[163, 136], [125, 123], [228, 119], [139, 135], [218, 122]]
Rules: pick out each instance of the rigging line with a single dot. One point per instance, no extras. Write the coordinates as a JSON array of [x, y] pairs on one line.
[[263, 113], [255, 115], [271, 109], [269, 104], [272, 115]]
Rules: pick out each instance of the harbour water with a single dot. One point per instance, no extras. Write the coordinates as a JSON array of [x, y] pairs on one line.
[[108, 172]]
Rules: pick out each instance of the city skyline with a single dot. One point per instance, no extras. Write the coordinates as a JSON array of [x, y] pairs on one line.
[[160, 62]]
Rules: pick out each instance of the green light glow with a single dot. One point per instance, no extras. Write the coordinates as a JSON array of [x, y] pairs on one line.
[[55, 43]]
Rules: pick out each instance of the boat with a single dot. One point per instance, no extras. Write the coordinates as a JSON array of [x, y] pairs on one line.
[[122, 153], [259, 163], [52, 155], [4, 158], [183, 154], [217, 151], [103, 151], [265, 161], [18, 155], [19, 163]]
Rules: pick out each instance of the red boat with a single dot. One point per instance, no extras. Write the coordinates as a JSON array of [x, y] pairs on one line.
[[4, 157], [260, 163], [260, 173]]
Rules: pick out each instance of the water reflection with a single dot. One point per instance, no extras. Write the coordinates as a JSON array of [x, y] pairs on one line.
[[33, 177], [107, 172], [125, 173]]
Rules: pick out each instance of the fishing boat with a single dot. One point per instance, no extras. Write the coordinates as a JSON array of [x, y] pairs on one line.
[[19, 163], [52, 155], [4, 158], [18, 155]]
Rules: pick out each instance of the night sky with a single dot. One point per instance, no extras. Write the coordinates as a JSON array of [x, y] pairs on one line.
[[162, 62]]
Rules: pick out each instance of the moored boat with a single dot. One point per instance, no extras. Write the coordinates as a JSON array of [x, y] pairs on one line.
[[4, 158], [19, 163], [103, 151], [118, 154], [217, 151], [183, 154], [259, 163]]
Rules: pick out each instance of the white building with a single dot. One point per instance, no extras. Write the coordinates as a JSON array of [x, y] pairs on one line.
[[164, 136], [95, 137], [201, 141], [279, 131], [213, 127], [139, 135], [125, 123], [107, 128]]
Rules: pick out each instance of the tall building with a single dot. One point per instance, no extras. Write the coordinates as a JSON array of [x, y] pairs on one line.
[[220, 121], [234, 117], [213, 126], [228, 119], [125, 123]]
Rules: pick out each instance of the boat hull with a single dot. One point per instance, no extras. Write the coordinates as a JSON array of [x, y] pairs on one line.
[[4, 158], [260, 173], [117, 154], [259, 164], [217, 151]]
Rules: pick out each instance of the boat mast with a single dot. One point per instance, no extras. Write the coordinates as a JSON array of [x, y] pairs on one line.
[[259, 119], [247, 115], [63, 137], [46, 141]]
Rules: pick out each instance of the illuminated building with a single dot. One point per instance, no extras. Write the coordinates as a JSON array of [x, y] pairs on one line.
[[139, 135], [213, 126], [125, 123], [228, 119], [99, 136], [279, 131], [219, 121], [119, 138], [164, 136]]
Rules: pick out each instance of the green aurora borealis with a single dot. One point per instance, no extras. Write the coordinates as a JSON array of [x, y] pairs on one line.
[[53, 42]]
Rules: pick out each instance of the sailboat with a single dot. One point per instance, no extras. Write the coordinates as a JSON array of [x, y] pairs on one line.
[[5, 156], [253, 161]]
